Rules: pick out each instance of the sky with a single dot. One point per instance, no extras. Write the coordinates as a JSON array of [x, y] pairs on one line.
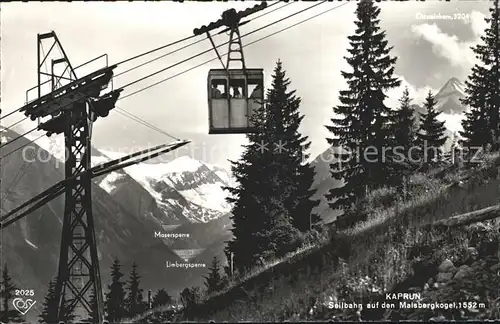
[[429, 51]]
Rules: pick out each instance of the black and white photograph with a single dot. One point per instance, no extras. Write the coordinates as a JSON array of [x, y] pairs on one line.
[[249, 161]]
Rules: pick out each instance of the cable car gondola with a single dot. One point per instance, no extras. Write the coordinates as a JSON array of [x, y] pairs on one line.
[[233, 96]]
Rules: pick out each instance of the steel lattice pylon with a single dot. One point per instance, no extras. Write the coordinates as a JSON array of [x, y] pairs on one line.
[[73, 107], [78, 263], [78, 273]]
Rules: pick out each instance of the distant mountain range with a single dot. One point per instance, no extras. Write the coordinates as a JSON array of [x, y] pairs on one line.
[[452, 111], [183, 196], [185, 189], [447, 101]]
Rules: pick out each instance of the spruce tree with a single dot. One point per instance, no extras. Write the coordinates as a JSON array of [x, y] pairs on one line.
[[190, 297], [475, 125], [8, 314], [404, 140], [213, 282], [134, 302], [115, 297], [279, 236], [481, 125], [246, 214], [161, 298], [431, 134], [405, 133], [271, 169], [365, 125], [290, 150], [186, 298], [50, 305]]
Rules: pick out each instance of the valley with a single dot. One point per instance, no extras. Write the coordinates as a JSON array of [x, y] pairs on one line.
[[128, 214]]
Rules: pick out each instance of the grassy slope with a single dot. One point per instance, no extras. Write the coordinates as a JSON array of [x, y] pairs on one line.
[[378, 256]]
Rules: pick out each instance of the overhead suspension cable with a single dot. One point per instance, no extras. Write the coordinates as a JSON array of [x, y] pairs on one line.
[[155, 49], [169, 53], [20, 147], [18, 137], [120, 111], [19, 175], [198, 41], [137, 119], [159, 57], [268, 12], [215, 58], [164, 55], [17, 122], [207, 51], [11, 113], [145, 123]]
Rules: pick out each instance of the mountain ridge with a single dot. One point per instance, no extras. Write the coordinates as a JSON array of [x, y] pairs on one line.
[[190, 181], [447, 101], [123, 213], [163, 181], [449, 96]]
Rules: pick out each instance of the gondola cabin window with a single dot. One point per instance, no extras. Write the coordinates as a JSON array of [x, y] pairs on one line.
[[219, 88], [233, 96]]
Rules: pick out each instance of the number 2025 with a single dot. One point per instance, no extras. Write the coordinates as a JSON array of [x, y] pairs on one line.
[[24, 292]]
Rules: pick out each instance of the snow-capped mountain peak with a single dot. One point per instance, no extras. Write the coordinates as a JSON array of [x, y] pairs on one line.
[[452, 86], [449, 96], [184, 184], [183, 164], [184, 188], [54, 144], [223, 173]]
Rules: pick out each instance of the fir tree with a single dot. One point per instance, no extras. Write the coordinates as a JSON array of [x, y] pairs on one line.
[[290, 150], [481, 125], [161, 298], [8, 314], [115, 297], [246, 213], [271, 169], [279, 236], [475, 126], [190, 297], [405, 133], [404, 140], [365, 124], [134, 301], [431, 132], [213, 282], [50, 305]]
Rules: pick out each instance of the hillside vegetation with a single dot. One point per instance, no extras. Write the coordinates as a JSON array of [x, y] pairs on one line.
[[393, 250], [416, 224]]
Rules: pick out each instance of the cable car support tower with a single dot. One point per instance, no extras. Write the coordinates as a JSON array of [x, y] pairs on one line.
[[70, 106], [72, 109]]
